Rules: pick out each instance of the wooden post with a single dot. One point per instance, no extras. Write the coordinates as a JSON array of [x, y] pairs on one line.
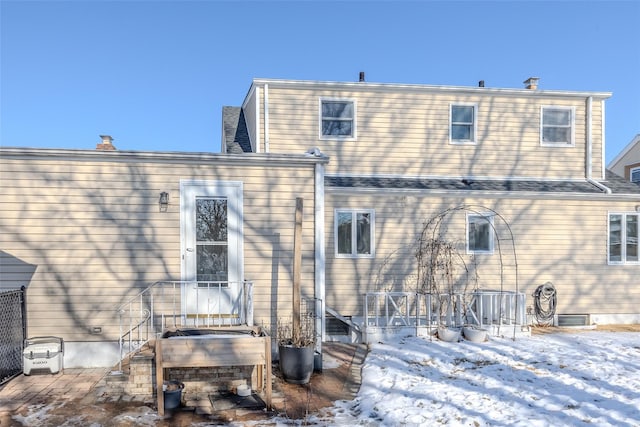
[[297, 265]]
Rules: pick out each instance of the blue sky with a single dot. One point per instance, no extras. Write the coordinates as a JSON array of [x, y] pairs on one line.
[[156, 74]]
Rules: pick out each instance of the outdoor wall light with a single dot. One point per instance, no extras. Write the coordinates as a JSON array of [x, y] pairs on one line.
[[164, 201]]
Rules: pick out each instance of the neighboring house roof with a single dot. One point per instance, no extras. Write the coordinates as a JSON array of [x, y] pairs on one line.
[[618, 185], [235, 134], [624, 152]]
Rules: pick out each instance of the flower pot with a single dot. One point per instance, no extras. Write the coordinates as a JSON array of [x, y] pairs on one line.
[[474, 333], [448, 334], [296, 363], [172, 394]]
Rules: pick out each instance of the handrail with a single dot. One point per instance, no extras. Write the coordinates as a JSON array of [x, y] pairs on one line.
[[167, 303]]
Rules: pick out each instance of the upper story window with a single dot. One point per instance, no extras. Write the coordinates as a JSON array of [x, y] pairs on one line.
[[354, 233], [337, 118], [479, 234], [634, 174], [556, 126], [463, 123], [623, 238]]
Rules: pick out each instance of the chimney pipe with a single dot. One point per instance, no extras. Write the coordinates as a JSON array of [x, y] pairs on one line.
[[361, 76], [106, 144], [481, 83], [531, 83]]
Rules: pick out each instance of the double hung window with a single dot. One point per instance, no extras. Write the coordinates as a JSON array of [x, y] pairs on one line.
[[480, 234], [337, 118], [354, 233], [463, 123], [623, 238], [634, 175], [556, 126]]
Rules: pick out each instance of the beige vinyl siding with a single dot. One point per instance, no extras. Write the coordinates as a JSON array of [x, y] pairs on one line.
[[562, 241], [93, 233], [408, 133]]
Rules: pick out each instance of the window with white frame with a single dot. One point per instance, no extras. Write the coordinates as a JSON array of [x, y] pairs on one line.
[[337, 118], [463, 123], [479, 233], [354, 233], [634, 175], [623, 238], [556, 126]]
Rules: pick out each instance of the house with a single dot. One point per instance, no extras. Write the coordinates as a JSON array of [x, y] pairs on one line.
[[511, 181], [627, 163]]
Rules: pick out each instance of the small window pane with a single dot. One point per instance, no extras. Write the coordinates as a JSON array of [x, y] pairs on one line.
[[461, 132], [364, 233], [479, 234], [632, 238], [556, 117], [337, 128], [212, 263], [211, 220], [460, 114], [344, 233], [615, 238], [550, 134], [635, 175], [337, 109]]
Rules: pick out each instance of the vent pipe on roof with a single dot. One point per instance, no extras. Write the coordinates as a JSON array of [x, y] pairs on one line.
[[106, 144], [531, 83], [361, 76]]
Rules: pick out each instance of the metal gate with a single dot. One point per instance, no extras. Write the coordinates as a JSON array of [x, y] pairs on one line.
[[13, 328]]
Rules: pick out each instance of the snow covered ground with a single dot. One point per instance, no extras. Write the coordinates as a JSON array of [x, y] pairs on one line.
[[584, 378], [566, 379]]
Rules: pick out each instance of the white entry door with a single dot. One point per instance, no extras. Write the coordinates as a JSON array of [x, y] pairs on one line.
[[211, 252]]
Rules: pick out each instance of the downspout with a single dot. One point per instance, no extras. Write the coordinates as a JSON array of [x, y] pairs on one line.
[[319, 263], [266, 118], [589, 156]]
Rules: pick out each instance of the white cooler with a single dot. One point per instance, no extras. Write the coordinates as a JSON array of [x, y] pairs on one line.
[[43, 353]]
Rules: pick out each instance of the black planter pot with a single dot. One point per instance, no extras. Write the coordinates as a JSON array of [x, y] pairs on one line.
[[296, 363]]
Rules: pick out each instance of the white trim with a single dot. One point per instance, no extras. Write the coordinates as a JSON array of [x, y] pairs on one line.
[[572, 119], [354, 240], [414, 88], [320, 256], [603, 167], [489, 216], [266, 118], [257, 120], [354, 128], [474, 124]]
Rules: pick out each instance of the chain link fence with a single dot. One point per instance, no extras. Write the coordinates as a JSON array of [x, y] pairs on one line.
[[13, 322]]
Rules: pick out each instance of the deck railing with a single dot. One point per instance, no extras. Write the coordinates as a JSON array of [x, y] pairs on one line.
[[484, 308], [170, 304]]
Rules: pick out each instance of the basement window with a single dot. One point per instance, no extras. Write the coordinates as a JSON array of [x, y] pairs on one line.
[[623, 238]]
